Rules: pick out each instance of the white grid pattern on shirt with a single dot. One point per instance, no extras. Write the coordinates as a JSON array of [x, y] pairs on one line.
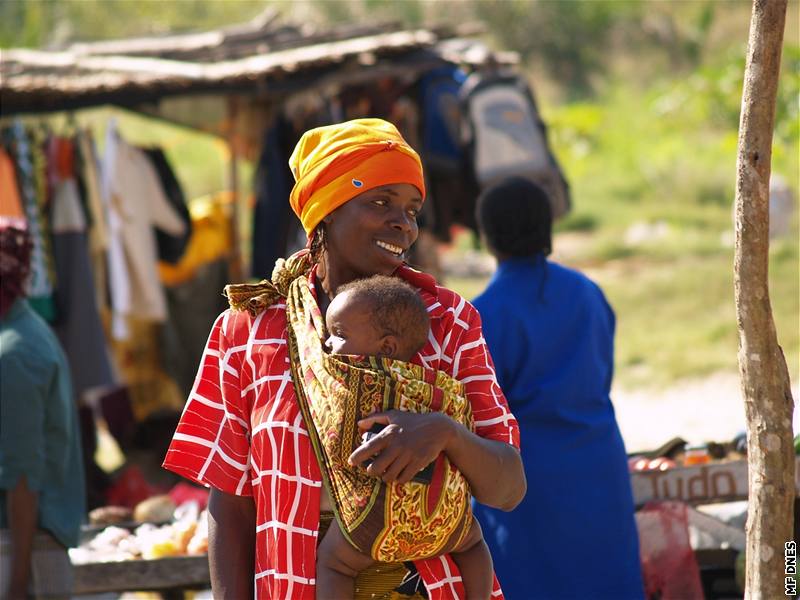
[[275, 574], [448, 580], [214, 446], [279, 470], [285, 527], [295, 505]]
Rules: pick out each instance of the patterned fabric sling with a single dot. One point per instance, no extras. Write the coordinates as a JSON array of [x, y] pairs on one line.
[[389, 522]]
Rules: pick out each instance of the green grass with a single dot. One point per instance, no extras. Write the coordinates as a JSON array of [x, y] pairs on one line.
[[676, 316], [469, 287], [575, 221]]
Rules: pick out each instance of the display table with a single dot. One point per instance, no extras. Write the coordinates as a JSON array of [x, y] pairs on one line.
[[700, 484], [173, 573]]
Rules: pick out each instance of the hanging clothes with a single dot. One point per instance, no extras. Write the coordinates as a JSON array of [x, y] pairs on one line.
[[135, 201], [30, 174], [141, 361], [38, 137], [10, 202], [78, 323], [170, 247], [193, 307], [210, 240], [194, 288], [272, 215], [87, 167]]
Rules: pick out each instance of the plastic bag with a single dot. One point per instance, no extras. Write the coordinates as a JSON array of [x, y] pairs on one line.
[[669, 566]]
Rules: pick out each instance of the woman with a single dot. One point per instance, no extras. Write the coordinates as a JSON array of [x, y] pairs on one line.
[[551, 333], [358, 190]]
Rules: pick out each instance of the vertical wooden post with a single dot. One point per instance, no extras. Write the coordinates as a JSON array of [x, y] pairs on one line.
[[235, 266], [764, 376]]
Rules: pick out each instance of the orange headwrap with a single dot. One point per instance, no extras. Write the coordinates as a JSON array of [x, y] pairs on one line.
[[336, 163]]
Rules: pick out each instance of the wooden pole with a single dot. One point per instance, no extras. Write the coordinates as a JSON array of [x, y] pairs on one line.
[[235, 265], [764, 376]]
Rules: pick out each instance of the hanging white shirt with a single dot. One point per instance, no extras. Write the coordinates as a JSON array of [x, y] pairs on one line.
[[136, 202]]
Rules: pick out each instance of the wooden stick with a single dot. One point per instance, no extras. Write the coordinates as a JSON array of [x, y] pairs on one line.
[[764, 376], [236, 273]]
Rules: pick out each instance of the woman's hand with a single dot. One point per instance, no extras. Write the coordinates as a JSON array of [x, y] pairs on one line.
[[408, 443], [411, 441]]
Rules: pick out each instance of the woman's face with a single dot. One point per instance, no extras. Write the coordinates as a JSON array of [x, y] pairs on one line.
[[371, 234]]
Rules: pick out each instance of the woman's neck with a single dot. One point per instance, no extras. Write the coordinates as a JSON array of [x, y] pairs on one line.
[[323, 297], [329, 278], [537, 258]]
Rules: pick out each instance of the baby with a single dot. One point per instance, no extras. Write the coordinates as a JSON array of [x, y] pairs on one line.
[[384, 316]]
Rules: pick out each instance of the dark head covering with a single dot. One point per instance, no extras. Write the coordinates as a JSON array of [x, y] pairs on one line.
[[515, 217], [15, 260]]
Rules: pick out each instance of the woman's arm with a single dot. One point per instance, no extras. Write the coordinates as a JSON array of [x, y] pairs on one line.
[[411, 441], [231, 544], [493, 469]]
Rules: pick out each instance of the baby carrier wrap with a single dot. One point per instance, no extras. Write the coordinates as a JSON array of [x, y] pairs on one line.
[[390, 522]]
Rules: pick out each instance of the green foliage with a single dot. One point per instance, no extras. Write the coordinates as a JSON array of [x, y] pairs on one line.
[[36, 23], [576, 221], [25, 23], [549, 31], [664, 158], [409, 12], [787, 109], [334, 12]]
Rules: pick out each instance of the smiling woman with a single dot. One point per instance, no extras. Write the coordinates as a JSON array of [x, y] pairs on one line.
[[370, 234], [358, 190]]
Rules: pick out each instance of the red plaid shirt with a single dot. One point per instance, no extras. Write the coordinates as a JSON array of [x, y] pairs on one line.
[[242, 432]]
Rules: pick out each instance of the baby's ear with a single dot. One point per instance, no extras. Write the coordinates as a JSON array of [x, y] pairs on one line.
[[389, 346]]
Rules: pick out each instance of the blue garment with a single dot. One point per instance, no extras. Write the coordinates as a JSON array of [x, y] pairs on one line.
[[39, 436], [551, 335]]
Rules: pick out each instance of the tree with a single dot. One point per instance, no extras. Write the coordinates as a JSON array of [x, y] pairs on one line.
[[764, 376]]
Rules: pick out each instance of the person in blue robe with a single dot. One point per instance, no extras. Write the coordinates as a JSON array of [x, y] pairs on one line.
[[550, 332]]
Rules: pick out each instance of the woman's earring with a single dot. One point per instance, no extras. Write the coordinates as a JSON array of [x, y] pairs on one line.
[[318, 244]]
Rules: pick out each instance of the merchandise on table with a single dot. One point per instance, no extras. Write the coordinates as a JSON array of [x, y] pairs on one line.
[[185, 535]]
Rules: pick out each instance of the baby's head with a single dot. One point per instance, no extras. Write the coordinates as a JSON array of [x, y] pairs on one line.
[[377, 316]]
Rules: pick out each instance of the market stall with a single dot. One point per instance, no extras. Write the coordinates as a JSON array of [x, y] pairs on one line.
[[691, 512]]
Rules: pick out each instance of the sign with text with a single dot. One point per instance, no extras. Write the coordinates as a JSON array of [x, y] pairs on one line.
[[699, 484]]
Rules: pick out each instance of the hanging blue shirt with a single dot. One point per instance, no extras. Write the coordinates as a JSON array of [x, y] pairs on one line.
[[551, 334]]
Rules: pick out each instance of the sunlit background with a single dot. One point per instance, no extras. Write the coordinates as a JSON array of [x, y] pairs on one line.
[[642, 102]]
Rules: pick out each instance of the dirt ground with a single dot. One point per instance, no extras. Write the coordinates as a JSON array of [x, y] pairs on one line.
[[707, 409]]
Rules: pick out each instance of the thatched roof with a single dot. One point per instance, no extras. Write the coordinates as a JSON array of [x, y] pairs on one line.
[[261, 56]]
